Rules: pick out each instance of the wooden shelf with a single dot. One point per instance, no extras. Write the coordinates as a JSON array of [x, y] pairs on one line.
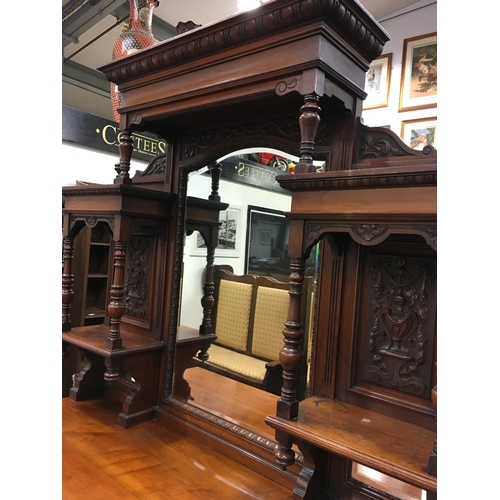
[[388, 445], [187, 335], [94, 312], [93, 338]]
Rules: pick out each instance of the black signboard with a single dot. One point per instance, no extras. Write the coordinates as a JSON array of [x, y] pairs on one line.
[[250, 172], [96, 132]]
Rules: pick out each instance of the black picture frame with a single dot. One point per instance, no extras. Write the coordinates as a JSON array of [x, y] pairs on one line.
[[266, 249]]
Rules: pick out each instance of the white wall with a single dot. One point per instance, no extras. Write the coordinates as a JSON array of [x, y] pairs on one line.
[[420, 20], [91, 165]]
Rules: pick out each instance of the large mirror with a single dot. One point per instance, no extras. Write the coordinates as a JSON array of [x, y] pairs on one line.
[[241, 379]]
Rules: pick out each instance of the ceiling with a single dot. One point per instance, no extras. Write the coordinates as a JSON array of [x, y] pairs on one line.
[[90, 27]]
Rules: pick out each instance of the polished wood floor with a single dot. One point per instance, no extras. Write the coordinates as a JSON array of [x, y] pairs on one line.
[[243, 404], [104, 461]]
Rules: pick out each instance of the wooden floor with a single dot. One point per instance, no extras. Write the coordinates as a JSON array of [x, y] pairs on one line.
[[243, 404], [104, 461]]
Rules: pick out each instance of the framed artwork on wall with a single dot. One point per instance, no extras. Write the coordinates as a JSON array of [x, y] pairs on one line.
[[229, 235], [377, 82], [266, 245], [419, 133], [419, 87]]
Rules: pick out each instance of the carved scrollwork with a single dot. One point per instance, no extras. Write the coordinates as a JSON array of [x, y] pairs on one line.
[[377, 147], [283, 87], [398, 340], [193, 145], [369, 233], [156, 166], [381, 142], [137, 276], [91, 220], [136, 119]]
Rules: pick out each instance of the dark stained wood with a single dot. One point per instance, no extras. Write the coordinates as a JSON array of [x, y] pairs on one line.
[[138, 357], [203, 216], [188, 343], [150, 461], [289, 76], [375, 344], [386, 444]]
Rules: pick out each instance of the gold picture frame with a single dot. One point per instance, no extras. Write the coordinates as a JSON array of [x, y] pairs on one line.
[[420, 132], [419, 88], [377, 82]]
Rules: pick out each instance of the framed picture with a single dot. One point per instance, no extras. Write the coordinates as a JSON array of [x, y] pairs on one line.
[[419, 133], [419, 87], [229, 235], [377, 82], [265, 236], [266, 251]]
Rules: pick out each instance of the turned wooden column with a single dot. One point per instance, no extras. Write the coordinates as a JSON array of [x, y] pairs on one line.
[[126, 147], [308, 121], [215, 171], [116, 306], [291, 354], [284, 456], [208, 300], [67, 282]]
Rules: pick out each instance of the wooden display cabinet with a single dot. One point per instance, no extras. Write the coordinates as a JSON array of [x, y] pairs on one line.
[[91, 274], [290, 76]]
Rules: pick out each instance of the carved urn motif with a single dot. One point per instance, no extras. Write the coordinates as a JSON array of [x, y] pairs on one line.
[[136, 34]]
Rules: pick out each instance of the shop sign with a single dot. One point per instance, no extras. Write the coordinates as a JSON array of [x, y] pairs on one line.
[[96, 132], [239, 169]]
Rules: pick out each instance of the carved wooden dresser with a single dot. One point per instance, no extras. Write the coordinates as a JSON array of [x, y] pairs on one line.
[[287, 76]]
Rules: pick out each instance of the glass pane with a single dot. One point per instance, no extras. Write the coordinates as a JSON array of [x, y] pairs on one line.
[[386, 484]]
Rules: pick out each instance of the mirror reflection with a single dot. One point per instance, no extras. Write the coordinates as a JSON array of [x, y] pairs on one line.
[[239, 375]]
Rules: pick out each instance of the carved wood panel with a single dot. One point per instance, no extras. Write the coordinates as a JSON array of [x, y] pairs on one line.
[[144, 279], [137, 277], [400, 322], [381, 329], [393, 330]]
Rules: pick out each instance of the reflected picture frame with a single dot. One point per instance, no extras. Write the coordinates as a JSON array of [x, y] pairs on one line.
[[229, 235], [377, 82], [419, 89], [419, 132], [267, 242]]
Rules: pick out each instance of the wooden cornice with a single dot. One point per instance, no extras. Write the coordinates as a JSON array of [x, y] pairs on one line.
[[383, 177], [351, 22]]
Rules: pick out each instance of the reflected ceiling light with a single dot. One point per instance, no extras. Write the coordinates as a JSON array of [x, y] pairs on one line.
[[249, 4]]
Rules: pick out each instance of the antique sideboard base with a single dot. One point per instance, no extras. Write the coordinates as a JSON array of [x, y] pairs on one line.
[[326, 430], [138, 362]]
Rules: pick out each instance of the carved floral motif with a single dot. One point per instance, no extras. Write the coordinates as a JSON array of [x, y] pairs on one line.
[[398, 340], [137, 276], [193, 145], [368, 232]]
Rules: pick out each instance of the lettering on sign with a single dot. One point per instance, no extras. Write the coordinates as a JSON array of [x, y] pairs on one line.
[[96, 132], [250, 172]]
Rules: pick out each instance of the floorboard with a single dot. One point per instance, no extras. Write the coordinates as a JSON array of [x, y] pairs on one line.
[[102, 461]]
